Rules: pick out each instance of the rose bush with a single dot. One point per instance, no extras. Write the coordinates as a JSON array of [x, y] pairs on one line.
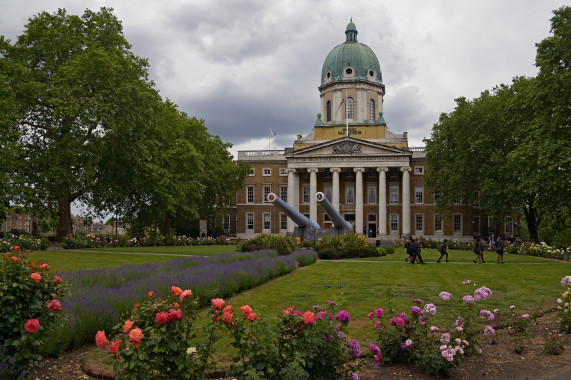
[[31, 302]]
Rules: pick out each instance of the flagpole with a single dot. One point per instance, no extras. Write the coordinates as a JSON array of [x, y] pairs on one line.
[[346, 118], [269, 139]]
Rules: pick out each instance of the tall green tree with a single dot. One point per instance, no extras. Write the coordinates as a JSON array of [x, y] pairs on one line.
[[512, 143], [77, 91]]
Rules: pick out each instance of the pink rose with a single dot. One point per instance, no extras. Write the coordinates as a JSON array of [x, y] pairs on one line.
[[135, 336], [101, 339], [308, 318], [32, 325], [162, 318], [58, 279], [54, 306], [246, 310], [114, 346], [175, 314], [227, 317], [218, 303]]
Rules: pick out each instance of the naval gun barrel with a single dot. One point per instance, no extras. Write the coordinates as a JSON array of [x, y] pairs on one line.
[[341, 224], [301, 220]]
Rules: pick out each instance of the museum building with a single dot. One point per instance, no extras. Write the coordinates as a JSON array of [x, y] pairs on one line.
[[368, 173]]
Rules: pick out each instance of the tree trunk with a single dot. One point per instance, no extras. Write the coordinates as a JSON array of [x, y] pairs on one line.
[[167, 224], [531, 220], [64, 225]]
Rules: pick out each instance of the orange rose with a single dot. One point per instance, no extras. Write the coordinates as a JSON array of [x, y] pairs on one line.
[[186, 293], [218, 303], [44, 266], [176, 291], [128, 326], [114, 346], [252, 317], [228, 309], [150, 294], [14, 258], [36, 277], [101, 339], [246, 310], [135, 336]]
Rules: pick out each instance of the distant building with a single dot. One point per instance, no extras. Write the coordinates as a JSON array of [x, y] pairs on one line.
[[20, 224], [368, 173]]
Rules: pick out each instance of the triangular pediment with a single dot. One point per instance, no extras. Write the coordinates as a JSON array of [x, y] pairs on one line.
[[348, 146]]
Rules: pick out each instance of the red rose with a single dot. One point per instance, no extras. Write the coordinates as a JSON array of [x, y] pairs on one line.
[[162, 318], [32, 325], [175, 315], [114, 346]]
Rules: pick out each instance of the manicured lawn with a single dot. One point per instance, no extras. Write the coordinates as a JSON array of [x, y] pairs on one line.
[[65, 260]]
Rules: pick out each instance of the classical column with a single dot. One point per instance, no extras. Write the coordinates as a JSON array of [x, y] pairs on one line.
[[382, 201], [312, 191], [405, 201], [290, 197], [359, 200], [335, 188]]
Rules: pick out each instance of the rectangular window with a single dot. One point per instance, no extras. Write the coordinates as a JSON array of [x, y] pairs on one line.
[[250, 194], [283, 193], [226, 222], [371, 194], [509, 229], [393, 172], [252, 172], [371, 172], [394, 194], [394, 222], [419, 170], [436, 194], [349, 195], [476, 225], [349, 173], [250, 221], [457, 222], [283, 172], [457, 200], [419, 222], [437, 223], [267, 189], [306, 194], [349, 217], [419, 194], [267, 172], [266, 217], [327, 174], [283, 221], [327, 192], [372, 217]]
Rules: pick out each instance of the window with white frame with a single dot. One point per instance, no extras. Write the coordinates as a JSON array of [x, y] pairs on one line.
[[437, 223], [394, 222], [419, 222], [457, 222], [250, 221], [267, 172], [394, 191], [419, 194], [371, 194], [509, 229], [283, 193], [419, 170], [267, 218], [476, 225], [267, 189], [250, 194], [350, 108], [371, 110], [283, 221], [305, 194], [327, 191], [349, 195], [226, 222], [283, 172], [252, 172]]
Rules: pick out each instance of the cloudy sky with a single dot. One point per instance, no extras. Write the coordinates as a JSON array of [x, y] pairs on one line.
[[246, 66]]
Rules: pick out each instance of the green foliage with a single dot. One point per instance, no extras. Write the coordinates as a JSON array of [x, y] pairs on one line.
[[564, 306], [283, 245], [25, 242], [553, 345], [27, 293], [345, 246]]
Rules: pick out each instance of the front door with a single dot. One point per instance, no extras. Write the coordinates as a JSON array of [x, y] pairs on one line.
[[372, 230]]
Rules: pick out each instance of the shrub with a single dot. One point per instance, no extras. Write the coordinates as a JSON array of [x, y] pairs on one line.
[[553, 345], [30, 300], [564, 306], [345, 246], [283, 245]]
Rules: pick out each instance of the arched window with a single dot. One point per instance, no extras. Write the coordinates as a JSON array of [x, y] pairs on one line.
[[328, 110], [349, 108], [372, 110]]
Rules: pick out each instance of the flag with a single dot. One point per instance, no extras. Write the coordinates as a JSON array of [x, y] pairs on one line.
[[271, 130]]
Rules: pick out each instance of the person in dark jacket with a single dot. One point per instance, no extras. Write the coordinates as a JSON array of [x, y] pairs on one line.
[[416, 252], [408, 245], [479, 251], [443, 250], [500, 245]]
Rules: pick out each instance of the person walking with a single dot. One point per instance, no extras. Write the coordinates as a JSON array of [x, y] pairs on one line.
[[479, 251], [408, 245], [443, 250], [500, 245], [416, 250]]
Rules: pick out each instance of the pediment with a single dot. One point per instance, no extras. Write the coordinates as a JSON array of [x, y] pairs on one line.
[[348, 146]]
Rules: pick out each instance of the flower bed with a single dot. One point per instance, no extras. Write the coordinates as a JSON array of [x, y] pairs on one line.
[[101, 296], [153, 240], [25, 242]]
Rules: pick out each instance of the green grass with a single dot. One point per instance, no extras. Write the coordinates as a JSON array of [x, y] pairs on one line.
[[64, 260]]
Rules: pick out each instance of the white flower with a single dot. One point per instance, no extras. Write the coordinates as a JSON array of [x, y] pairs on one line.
[[190, 350]]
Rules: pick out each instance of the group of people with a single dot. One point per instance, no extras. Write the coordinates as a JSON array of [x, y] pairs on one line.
[[493, 244], [413, 249]]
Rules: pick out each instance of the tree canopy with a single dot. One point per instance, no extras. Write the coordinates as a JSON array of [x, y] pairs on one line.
[[512, 144], [83, 121]]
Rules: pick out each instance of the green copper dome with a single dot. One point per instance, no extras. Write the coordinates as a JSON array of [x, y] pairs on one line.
[[351, 61]]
